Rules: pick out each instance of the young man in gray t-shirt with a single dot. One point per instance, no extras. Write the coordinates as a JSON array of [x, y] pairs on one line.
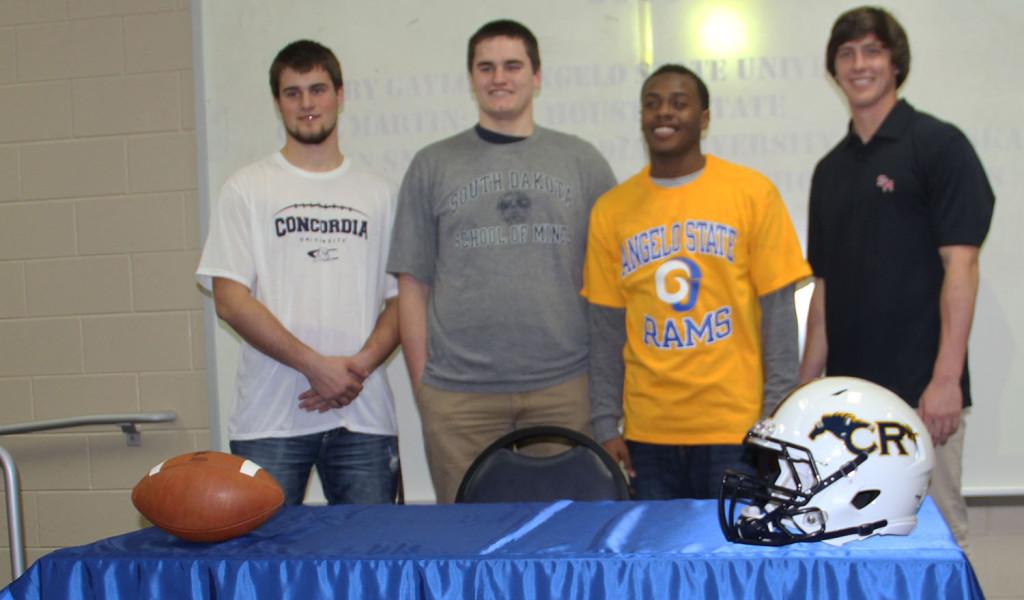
[[488, 246]]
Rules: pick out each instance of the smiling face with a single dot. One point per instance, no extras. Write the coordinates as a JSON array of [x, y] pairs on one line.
[[865, 72], [672, 119], [504, 83], [309, 105]]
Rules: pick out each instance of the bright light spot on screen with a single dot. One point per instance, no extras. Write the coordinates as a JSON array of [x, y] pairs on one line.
[[722, 32], [646, 34]]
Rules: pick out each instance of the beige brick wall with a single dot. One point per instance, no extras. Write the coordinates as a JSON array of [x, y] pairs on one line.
[[99, 236], [996, 544]]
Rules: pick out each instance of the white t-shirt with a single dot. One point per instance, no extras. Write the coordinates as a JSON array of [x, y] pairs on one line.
[[312, 248]]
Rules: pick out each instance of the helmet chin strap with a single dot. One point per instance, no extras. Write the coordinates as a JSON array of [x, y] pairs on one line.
[[863, 530]]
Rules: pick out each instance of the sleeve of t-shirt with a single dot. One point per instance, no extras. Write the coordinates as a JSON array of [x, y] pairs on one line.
[[228, 251], [607, 373], [601, 282], [598, 175], [390, 281], [776, 259], [414, 239], [779, 346], [960, 197]]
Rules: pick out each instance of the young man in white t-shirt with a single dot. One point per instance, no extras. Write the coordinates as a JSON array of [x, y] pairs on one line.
[[295, 258]]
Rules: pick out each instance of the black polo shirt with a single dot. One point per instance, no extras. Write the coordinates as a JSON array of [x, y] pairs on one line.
[[878, 214]]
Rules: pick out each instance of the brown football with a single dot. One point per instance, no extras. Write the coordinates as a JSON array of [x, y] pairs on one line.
[[207, 496]]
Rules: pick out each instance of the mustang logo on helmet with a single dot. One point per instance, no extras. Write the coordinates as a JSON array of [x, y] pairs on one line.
[[844, 425]]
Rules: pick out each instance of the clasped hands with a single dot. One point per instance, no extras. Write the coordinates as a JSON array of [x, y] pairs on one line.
[[334, 382]]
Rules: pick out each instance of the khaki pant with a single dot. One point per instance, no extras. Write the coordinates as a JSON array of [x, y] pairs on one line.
[[457, 426], [945, 485]]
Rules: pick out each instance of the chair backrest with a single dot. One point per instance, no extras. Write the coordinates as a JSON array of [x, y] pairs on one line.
[[582, 472]]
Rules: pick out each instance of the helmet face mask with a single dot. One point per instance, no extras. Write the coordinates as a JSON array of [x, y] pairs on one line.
[[775, 511], [841, 459]]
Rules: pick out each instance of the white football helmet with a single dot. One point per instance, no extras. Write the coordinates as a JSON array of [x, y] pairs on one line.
[[840, 459]]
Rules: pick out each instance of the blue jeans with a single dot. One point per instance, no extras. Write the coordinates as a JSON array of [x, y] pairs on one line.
[[354, 468], [665, 472]]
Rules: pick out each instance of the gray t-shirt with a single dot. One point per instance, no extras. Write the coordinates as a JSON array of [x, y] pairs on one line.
[[498, 232]]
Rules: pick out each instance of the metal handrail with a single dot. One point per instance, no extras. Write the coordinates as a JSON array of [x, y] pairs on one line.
[[15, 534], [123, 419]]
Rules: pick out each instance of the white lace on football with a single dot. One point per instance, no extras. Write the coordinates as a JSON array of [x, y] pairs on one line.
[[249, 468]]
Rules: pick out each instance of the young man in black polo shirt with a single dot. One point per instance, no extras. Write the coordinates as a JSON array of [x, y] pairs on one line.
[[898, 211]]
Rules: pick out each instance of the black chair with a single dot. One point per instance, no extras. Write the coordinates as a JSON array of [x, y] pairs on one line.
[[583, 472]]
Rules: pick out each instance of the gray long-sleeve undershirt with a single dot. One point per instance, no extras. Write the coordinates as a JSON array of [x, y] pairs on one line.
[[779, 350]]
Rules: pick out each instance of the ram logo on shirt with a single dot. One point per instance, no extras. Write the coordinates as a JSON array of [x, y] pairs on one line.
[[683, 291], [677, 283]]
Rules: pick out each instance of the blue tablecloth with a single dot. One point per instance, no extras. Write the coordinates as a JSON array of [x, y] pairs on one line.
[[560, 551]]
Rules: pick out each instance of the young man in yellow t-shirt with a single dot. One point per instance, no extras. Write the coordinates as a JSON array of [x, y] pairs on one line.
[[690, 271]]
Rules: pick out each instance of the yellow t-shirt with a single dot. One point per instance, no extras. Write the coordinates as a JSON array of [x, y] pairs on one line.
[[688, 265]]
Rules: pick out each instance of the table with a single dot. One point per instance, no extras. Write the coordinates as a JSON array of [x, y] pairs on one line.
[[561, 550]]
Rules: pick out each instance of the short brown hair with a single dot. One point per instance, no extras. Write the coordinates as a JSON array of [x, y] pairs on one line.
[[859, 22], [303, 56], [505, 28]]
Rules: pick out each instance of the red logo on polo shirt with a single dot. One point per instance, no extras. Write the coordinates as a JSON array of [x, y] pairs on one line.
[[885, 184]]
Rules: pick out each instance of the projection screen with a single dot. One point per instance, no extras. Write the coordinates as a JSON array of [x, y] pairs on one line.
[[773, 108]]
